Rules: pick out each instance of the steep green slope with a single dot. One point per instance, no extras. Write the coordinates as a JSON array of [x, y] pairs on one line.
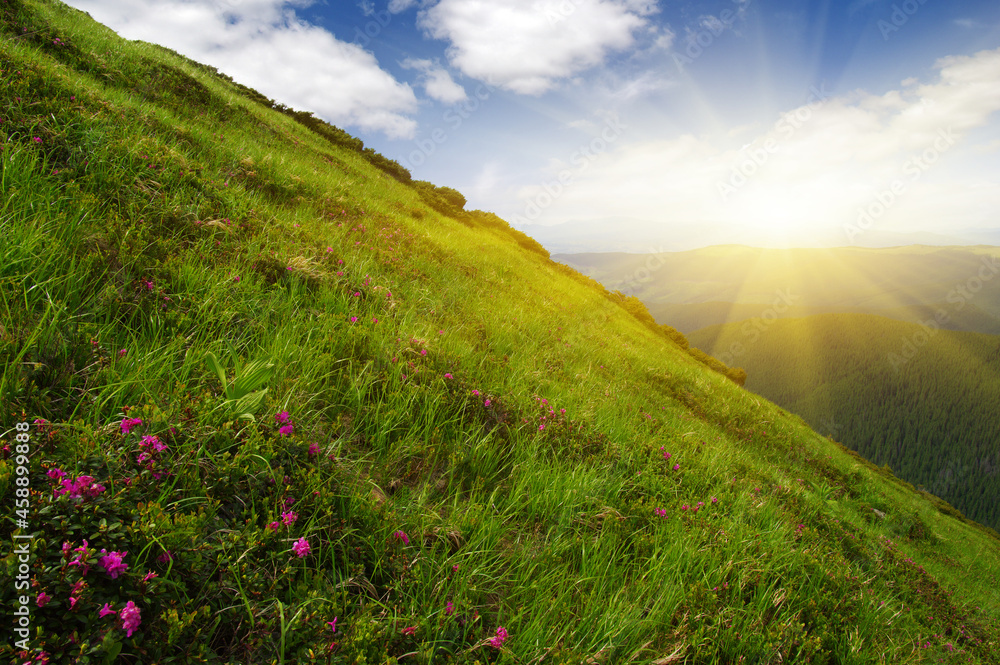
[[458, 452], [922, 400]]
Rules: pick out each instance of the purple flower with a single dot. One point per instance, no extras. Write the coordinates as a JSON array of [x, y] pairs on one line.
[[42, 599], [286, 430], [289, 517], [715, 500], [165, 557], [129, 423], [130, 618], [113, 563], [56, 474], [273, 526], [677, 467], [333, 624], [37, 139], [449, 609], [301, 547], [448, 376], [499, 639], [402, 536], [313, 450], [281, 417], [106, 610]]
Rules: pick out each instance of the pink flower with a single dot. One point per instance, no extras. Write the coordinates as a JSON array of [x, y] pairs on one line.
[[354, 319], [165, 557], [487, 403], [37, 139], [130, 617], [402, 536], [677, 467], [333, 624], [281, 418], [150, 575], [122, 352], [285, 430], [409, 630], [448, 376], [56, 473], [42, 599], [449, 609], [289, 517], [106, 610], [273, 526], [129, 423], [72, 601], [499, 639], [301, 547], [715, 499], [454, 568], [113, 563], [153, 441], [313, 450], [423, 352]]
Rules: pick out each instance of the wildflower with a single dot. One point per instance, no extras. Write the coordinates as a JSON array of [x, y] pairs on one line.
[[286, 430], [684, 507], [72, 601], [475, 393], [666, 455], [106, 610], [486, 403], [130, 617], [677, 467], [333, 624], [454, 568], [281, 417], [402, 536], [374, 320], [165, 557], [410, 630], [56, 473], [129, 423], [301, 547], [715, 499], [42, 599], [313, 450], [499, 639], [448, 376], [449, 609], [148, 576], [354, 319], [289, 517], [113, 563], [37, 139], [423, 352], [273, 526], [122, 352]]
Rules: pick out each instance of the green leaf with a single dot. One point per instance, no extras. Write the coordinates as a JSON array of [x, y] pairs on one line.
[[253, 376], [213, 364]]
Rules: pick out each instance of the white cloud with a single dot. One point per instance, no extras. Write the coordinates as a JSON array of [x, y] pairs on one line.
[[527, 47], [262, 44], [814, 169], [397, 6], [436, 80]]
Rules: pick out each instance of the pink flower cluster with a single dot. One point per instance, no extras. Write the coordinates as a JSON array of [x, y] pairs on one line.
[[284, 421], [113, 563], [401, 535], [497, 640], [83, 487], [301, 548], [129, 423]]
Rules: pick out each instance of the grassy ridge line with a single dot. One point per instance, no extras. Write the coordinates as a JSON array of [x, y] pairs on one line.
[[400, 465]]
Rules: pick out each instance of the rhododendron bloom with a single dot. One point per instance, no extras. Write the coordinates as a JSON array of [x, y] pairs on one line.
[[402, 536], [289, 517], [499, 639], [285, 430], [106, 610], [129, 423], [130, 617], [42, 599], [113, 563], [281, 417], [301, 547]]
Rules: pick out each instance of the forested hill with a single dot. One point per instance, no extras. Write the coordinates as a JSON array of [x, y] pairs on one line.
[[921, 400]]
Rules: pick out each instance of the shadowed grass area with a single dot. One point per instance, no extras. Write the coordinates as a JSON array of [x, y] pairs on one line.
[[458, 451]]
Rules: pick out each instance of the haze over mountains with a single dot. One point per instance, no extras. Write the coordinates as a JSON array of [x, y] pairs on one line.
[[894, 352]]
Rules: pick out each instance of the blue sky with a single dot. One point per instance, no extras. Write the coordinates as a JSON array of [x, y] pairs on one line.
[[643, 122]]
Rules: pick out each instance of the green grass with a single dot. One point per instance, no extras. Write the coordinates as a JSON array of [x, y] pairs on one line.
[[424, 360]]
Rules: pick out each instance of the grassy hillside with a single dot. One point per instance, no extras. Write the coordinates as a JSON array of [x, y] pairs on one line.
[[923, 401], [703, 287], [284, 405]]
